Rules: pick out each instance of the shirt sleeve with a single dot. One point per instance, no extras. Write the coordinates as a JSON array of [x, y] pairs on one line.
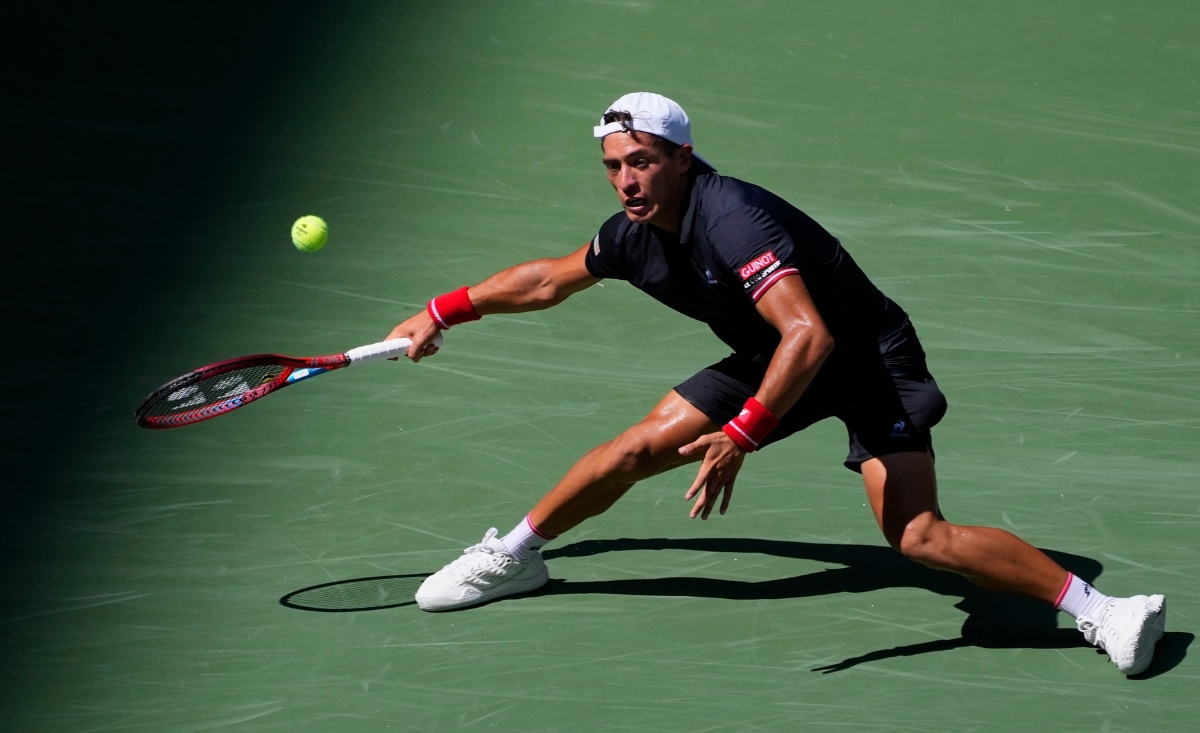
[[756, 248], [605, 258]]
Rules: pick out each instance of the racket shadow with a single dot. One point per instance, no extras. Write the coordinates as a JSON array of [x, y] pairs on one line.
[[357, 594]]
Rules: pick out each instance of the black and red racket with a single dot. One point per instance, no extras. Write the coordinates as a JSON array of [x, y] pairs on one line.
[[219, 388]]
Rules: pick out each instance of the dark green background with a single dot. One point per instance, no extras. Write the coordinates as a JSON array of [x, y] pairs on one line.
[[1021, 177]]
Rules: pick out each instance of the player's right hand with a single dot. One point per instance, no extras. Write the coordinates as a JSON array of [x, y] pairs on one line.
[[421, 330], [722, 461]]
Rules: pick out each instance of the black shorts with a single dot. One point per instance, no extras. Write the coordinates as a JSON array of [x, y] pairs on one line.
[[888, 401]]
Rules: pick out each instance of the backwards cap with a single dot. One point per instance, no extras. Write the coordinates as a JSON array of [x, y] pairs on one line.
[[652, 113]]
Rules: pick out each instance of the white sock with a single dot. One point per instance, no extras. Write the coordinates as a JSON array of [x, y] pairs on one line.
[[524, 539], [1081, 600]]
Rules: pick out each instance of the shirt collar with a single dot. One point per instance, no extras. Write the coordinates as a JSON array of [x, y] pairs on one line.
[[687, 222]]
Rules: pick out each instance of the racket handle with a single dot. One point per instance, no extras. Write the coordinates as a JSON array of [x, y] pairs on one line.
[[384, 350]]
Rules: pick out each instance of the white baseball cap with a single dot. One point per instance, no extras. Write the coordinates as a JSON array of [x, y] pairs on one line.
[[652, 113]]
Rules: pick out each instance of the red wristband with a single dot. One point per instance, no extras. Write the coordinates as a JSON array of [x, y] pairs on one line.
[[452, 309], [751, 426]]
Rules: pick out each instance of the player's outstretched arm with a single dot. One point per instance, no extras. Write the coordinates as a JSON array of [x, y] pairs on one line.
[[530, 286], [533, 286]]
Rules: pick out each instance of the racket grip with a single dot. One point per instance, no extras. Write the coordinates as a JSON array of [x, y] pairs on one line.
[[384, 350]]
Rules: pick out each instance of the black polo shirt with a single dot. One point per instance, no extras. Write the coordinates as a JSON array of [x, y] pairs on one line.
[[737, 240]]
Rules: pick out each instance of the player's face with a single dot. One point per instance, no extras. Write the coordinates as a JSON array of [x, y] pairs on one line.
[[648, 181]]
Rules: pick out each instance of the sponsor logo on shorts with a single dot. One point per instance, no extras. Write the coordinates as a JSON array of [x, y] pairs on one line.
[[712, 280], [749, 269], [900, 430]]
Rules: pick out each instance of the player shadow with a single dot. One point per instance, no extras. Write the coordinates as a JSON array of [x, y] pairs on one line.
[[994, 621]]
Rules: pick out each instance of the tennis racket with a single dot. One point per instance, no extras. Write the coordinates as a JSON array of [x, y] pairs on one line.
[[227, 385]]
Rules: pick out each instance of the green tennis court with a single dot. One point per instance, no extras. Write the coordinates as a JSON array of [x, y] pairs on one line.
[[1021, 177]]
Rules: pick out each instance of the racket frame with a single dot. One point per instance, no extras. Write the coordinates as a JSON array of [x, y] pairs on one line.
[[295, 369]]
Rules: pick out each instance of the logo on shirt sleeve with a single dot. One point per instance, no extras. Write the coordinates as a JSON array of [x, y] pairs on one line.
[[756, 265], [760, 273], [596, 244]]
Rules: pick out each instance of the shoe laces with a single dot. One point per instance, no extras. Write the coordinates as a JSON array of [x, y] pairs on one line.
[[1099, 633], [1091, 631], [483, 561]]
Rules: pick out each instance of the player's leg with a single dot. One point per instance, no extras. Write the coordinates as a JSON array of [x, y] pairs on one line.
[[607, 471], [902, 490], [511, 564], [889, 413], [502, 566]]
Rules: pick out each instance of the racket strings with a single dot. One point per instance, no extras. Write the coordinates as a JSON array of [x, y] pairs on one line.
[[213, 390]]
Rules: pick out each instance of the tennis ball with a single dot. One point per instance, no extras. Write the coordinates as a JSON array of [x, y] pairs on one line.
[[309, 233]]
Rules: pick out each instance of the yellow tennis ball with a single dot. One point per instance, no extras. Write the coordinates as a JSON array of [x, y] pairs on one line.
[[309, 233]]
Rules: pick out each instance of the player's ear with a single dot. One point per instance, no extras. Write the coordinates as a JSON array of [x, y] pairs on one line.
[[685, 157]]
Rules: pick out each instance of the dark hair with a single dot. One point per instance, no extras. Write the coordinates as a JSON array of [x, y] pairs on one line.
[[613, 115]]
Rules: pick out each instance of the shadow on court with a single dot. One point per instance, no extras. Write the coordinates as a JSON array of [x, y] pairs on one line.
[[994, 621], [357, 594]]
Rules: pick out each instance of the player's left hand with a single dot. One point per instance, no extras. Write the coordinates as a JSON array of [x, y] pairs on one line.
[[722, 461]]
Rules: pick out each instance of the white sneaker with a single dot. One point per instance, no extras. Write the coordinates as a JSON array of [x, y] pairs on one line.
[[484, 572], [1128, 629]]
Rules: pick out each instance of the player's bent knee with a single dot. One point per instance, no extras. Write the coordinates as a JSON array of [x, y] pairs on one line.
[[632, 454], [925, 540]]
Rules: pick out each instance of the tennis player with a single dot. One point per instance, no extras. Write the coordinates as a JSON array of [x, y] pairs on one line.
[[812, 338]]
